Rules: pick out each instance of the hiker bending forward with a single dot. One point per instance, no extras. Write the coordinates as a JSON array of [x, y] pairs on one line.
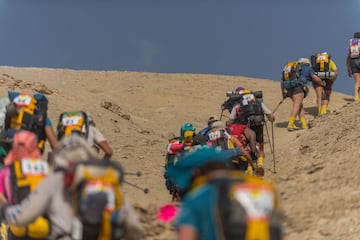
[[52, 198]]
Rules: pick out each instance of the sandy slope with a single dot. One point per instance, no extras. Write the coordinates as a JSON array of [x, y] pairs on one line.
[[316, 169]]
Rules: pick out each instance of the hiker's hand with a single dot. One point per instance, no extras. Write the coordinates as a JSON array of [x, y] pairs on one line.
[[324, 83], [284, 94], [270, 117]]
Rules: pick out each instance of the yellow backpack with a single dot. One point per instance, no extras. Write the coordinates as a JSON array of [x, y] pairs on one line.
[[320, 62], [290, 75], [97, 197], [27, 112], [25, 175], [73, 122], [290, 71], [248, 208]]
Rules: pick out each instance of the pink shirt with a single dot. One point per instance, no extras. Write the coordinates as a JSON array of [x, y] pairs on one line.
[[5, 187]]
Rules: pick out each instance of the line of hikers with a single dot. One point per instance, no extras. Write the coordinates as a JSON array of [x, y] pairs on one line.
[[74, 194], [216, 174], [321, 70]]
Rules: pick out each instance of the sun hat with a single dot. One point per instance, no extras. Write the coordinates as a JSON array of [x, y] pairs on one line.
[[238, 89], [24, 146], [304, 60]]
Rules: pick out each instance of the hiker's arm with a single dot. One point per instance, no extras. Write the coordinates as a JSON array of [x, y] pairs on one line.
[[30, 208], [267, 112], [187, 232], [348, 59], [101, 141], [108, 152], [317, 80], [333, 68], [51, 137]]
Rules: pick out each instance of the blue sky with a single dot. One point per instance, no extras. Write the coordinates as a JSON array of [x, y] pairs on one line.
[[252, 38]]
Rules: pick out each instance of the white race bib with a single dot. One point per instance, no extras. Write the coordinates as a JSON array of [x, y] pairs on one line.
[[214, 135], [34, 167], [98, 186], [23, 100], [257, 202], [71, 120]]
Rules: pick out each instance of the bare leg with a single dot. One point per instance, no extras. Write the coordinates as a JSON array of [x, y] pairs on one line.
[[297, 104], [356, 85]]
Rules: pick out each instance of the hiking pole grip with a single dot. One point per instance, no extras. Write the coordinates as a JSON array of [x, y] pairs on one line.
[[145, 190], [138, 173]]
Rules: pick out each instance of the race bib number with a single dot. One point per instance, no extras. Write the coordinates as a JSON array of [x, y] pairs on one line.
[[34, 167], [257, 201], [214, 135], [72, 120], [23, 100], [98, 186], [321, 58], [354, 48]]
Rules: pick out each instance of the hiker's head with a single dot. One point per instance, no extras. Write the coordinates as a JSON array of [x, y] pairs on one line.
[[25, 145], [305, 61], [212, 119], [238, 89], [218, 125], [197, 163], [357, 35], [71, 150], [187, 132], [242, 90], [199, 140]]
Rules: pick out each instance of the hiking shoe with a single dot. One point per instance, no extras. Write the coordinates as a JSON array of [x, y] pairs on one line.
[[323, 110], [304, 126], [292, 127], [356, 97]]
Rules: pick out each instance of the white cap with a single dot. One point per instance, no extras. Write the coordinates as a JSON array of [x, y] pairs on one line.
[[304, 60]]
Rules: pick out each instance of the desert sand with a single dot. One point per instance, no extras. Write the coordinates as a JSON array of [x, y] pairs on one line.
[[316, 169]]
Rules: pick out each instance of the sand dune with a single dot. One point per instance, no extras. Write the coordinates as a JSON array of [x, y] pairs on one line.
[[316, 169]]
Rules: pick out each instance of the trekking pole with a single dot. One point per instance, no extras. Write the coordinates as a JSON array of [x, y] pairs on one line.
[[267, 132], [222, 111], [273, 145], [145, 190], [282, 100]]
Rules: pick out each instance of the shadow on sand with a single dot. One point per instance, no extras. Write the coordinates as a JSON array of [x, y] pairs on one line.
[[349, 99], [313, 111]]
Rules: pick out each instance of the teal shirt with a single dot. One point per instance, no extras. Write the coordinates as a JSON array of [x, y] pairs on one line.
[[198, 210]]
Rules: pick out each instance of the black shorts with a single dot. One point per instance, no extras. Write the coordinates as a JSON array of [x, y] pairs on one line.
[[355, 65], [294, 90], [259, 131]]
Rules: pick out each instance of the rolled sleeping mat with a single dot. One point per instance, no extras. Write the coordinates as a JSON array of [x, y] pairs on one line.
[[326, 75]]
